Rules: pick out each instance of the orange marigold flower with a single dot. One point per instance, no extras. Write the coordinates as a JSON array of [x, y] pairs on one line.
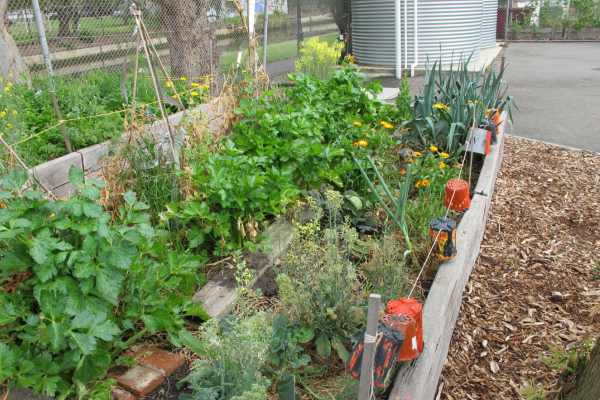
[[433, 148], [363, 142], [425, 182], [445, 155], [356, 123], [458, 167], [410, 160], [417, 153], [403, 172], [355, 144], [442, 165], [418, 185]]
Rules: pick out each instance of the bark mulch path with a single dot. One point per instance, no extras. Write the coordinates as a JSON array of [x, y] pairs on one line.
[[531, 287]]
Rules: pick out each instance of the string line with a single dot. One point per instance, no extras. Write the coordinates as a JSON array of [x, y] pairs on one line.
[[469, 142]]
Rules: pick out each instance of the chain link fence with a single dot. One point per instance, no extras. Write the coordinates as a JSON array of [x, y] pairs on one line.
[[87, 35], [549, 20]]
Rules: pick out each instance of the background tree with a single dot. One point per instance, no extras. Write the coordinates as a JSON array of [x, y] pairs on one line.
[[11, 61], [340, 9], [189, 36]]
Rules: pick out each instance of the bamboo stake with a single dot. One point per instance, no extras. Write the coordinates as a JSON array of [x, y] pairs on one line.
[[158, 97], [135, 78], [22, 164]]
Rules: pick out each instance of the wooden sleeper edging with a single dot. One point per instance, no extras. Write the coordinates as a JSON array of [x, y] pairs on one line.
[[418, 379]]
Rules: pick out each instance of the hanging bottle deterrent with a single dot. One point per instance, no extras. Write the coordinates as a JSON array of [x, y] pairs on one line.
[[442, 237], [457, 194], [387, 347]]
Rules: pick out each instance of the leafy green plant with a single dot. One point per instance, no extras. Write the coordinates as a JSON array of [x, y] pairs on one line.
[[84, 282], [353, 206], [432, 170]]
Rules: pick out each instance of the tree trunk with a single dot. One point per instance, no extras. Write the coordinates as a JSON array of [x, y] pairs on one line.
[[340, 9], [65, 14], [189, 36], [11, 61], [588, 381]]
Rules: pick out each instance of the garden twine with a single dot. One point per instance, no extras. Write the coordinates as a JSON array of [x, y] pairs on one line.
[[471, 138]]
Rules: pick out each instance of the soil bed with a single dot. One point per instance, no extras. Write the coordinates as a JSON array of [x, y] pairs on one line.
[[543, 236]]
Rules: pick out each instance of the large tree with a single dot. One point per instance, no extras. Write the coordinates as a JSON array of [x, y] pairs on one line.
[[340, 9], [11, 61], [588, 381], [189, 36]]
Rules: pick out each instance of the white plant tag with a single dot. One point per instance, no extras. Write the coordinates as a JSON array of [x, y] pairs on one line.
[[479, 144]]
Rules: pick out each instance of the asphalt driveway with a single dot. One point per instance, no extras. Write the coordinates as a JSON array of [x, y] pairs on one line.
[[557, 89]]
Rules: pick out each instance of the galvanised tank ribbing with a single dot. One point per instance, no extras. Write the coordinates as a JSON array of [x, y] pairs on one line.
[[490, 18], [452, 26], [373, 32]]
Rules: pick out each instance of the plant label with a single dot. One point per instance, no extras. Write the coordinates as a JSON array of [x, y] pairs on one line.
[[481, 141]]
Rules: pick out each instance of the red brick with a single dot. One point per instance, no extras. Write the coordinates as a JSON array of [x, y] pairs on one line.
[[137, 379], [119, 394], [159, 359]]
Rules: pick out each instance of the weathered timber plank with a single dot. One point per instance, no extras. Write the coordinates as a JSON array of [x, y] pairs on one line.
[[217, 297], [418, 379]]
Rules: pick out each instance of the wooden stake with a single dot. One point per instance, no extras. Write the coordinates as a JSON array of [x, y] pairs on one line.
[[366, 375], [62, 125]]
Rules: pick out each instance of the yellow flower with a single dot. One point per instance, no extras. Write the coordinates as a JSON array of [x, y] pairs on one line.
[[183, 79], [439, 106], [52, 215], [418, 185], [9, 84], [410, 160], [205, 86], [2, 205], [442, 165], [195, 84], [458, 166], [470, 101], [363, 143], [366, 134], [169, 84], [372, 129], [433, 148], [427, 169], [1, 133], [175, 96], [417, 153], [445, 155], [10, 74], [6, 88], [425, 182], [403, 172], [194, 93], [389, 126], [15, 112], [356, 123]]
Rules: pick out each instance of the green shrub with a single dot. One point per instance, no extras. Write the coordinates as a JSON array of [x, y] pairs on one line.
[[317, 58], [83, 283]]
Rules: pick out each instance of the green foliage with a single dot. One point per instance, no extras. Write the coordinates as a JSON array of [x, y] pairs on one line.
[[318, 59], [234, 356], [353, 206], [91, 281], [95, 93], [568, 362], [318, 282], [403, 99], [86, 36], [447, 107], [432, 170]]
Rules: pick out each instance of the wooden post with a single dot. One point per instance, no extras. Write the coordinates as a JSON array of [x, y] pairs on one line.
[[62, 125], [366, 375]]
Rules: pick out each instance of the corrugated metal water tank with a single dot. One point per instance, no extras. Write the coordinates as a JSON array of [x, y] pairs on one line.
[[447, 29], [373, 32], [490, 17]]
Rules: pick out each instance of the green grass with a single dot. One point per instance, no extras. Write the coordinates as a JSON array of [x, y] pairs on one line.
[[275, 52]]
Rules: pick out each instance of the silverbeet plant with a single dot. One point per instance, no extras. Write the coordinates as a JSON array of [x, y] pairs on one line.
[[74, 284]]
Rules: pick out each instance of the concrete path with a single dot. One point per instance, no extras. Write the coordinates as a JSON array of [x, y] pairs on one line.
[[557, 89]]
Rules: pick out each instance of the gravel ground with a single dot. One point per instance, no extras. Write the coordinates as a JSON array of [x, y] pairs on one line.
[[532, 285]]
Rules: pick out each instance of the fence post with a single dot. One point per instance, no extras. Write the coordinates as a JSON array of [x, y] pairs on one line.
[[46, 52], [506, 24], [366, 371], [299, 34], [265, 32]]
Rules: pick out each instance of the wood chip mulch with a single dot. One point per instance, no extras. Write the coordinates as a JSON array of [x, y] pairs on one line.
[[531, 287]]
